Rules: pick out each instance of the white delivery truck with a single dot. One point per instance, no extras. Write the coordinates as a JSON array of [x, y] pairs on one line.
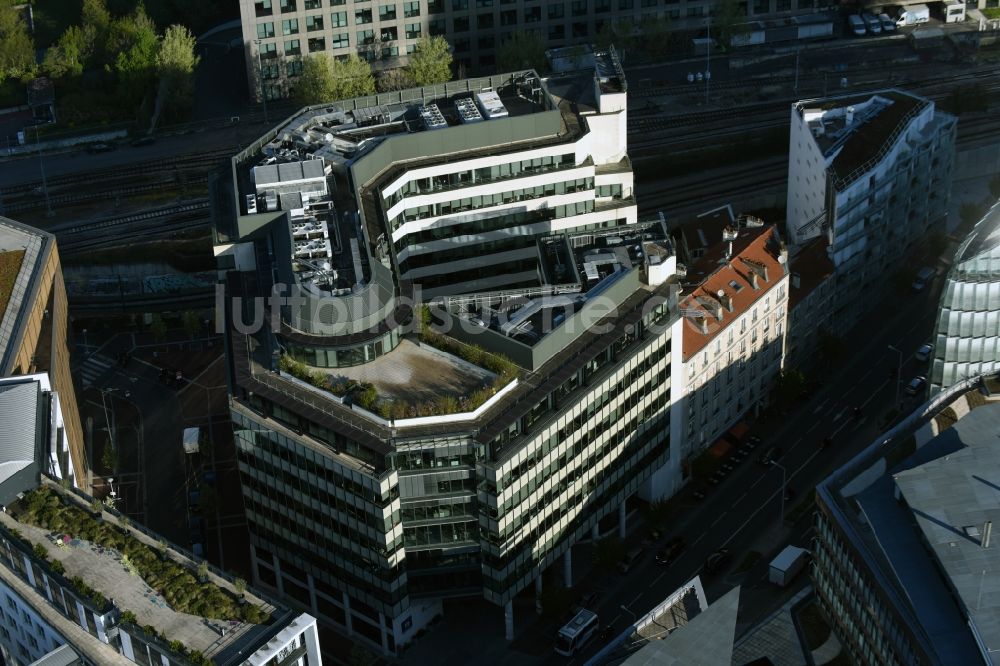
[[913, 15], [789, 562], [857, 24]]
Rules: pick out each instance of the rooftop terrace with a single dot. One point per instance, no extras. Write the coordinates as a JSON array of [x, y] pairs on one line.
[[854, 130], [573, 270], [21, 249], [118, 573]]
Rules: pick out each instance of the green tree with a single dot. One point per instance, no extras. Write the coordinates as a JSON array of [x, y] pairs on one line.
[[730, 21], [175, 64], [109, 457], [240, 586], [361, 657], [608, 552], [95, 20], [430, 63], [324, 79], [522, 50], [657, 37], [393, 79], [134, 40], [17, 49], [191, 322], [68, 56], [621, 35], [158, 328]]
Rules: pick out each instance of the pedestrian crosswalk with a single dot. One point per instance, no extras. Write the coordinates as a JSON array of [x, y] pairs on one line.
[[95, 367]]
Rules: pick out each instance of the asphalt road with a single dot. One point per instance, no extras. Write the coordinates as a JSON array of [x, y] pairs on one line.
[[743, 512]]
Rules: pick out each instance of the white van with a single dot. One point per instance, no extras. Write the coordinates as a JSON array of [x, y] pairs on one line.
[[857, 25]]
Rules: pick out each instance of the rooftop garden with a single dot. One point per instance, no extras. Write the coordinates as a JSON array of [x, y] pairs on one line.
[[10, 266], [367, 397], [184, 589]]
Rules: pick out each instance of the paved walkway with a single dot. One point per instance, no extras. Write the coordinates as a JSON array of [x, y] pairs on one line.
[[774, 638]]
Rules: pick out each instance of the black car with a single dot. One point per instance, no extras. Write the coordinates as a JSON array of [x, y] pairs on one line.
[[769, 456], [717, 560], [670, 552], [698, 495], [100, 147], [143, 141]]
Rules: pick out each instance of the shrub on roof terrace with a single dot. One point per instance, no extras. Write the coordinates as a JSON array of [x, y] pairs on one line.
[[186, 594]]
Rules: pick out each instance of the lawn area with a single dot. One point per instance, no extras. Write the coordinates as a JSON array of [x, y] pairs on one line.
[[10, 265], [991, 12]]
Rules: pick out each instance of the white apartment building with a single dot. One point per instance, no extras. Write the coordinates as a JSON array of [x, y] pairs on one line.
[[735, 310], [872, 173]]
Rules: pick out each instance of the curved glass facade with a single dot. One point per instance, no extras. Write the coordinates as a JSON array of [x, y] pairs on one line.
[[342, 357]]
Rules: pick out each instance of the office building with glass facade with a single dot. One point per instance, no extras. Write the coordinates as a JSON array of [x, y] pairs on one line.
[[902, 560], [967, 340], [469, 366]]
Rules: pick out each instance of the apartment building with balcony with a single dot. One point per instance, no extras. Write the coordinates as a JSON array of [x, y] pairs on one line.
[[903, 560], [278, 33], [967, 336], [734, 305], [871, 173], [394, 455], [33, 330]]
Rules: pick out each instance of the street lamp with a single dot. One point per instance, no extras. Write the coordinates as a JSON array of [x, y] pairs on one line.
[[260, 73], [783, 475], [899, 372], [635, 618]]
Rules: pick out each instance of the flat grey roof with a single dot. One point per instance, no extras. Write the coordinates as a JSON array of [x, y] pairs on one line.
[[19, 412], [951, 499]]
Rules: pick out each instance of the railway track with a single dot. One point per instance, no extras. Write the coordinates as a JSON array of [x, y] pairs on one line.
[[190, 163], [160, 223]]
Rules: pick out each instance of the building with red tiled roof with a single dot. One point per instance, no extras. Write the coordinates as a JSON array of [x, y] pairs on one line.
[[735, 308]]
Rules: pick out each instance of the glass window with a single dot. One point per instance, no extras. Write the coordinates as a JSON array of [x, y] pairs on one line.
[[435, 6], [340, 41], [314, 23], [435, 27], [312, 4], [578, 7], [287, 6], [265, 30], [317, 44], [460, 24], [411, 9], [412, 30], [292, 47], [338, 20], [556, 11], [484, 22], [387, 13], [390, 34], [366, 37], [290, 27], [459, 5], [263, 7], [362, 16]]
